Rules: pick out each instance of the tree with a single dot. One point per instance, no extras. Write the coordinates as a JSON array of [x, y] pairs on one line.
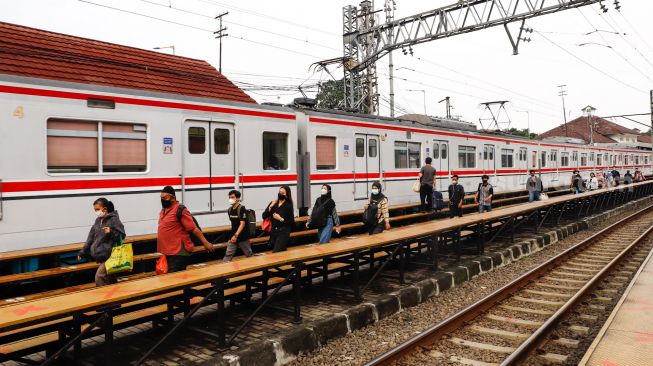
[[331, 95], [517, 132]]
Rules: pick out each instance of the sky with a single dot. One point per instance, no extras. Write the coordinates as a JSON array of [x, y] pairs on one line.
[[272, 44]]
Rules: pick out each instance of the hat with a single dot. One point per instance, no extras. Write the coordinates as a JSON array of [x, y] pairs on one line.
[[169, 190]]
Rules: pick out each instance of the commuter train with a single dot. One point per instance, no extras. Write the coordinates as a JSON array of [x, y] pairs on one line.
[[63, 145]]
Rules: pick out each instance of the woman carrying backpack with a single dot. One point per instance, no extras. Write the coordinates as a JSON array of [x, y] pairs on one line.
[[282, 214], [377, 215], [104, 234], [324, 215]]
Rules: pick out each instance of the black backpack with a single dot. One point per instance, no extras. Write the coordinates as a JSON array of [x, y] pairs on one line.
[[319, 216], [180, 210], [250, 215], [438, 200], [370, 215]]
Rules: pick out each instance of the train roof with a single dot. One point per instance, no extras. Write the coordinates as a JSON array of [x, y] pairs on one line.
[[36, 53]]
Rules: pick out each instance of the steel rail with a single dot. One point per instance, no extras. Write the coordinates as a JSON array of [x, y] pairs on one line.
[[458, 320]]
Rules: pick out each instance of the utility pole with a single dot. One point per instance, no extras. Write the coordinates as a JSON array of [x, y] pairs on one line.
[[389, 17], [219, 34], [652, 122], [562, 93], [447, 106]]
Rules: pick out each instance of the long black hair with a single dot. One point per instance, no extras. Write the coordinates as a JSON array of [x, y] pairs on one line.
[[105, 203], [288, 193]]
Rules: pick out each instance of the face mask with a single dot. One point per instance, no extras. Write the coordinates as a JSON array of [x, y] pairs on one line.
[[375, 192], [281, 197], [99, 213], [165, 203], [324, 191], [232, 201], [454, 181]]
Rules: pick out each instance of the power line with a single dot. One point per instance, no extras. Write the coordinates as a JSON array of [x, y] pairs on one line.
[[590, 65]]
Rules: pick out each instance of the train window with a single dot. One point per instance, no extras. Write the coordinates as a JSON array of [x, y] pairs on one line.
[[543, 161], [554, 156], [360, 147], [583, 159], [221, 141], [436, 151], [373, 149], [522, 154], [534, 159], [507, 158], [591, 158], [564, 159], [574, 156], [325, 152], [196, 140], [443, 151], [637, 160], [407, 155], [599, 159], [72, 146], [124, 147], [275, 151], [466, 157]]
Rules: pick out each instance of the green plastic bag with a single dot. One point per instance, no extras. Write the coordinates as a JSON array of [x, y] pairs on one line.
[[121, 259]]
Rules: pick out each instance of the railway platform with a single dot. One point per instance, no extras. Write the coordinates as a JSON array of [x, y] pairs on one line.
[[627, 337]]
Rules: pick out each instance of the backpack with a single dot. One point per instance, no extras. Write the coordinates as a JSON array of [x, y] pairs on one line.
[[196, 241], [318, 216], [250, 216], [370, 215], [438, 200]]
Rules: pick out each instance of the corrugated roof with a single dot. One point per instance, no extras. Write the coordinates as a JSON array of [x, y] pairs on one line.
[[36, 53], [579, 128]]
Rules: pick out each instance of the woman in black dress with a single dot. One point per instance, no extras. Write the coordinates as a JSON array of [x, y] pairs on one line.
[[282, 214]]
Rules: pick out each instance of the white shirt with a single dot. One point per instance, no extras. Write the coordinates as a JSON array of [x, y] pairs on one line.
[[593, 183]]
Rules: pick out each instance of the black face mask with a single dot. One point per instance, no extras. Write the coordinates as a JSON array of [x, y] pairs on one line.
[[165, 203], [281, 197]]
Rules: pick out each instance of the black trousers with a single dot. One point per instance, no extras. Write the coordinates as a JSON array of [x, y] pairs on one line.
[[177, 263], [454, 210], [279, 239], [426, 197], [378, 229]]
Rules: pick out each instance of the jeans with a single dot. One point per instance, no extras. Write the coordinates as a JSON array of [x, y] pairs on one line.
[[324, 234], [533, 196], [244, 245], [177, 263], [426, 197], [102, 278], [484, 208], [279, 239]]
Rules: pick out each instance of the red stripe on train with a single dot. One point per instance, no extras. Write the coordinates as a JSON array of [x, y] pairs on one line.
[[142, 102]]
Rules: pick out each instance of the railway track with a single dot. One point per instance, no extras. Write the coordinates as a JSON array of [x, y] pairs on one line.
[[543, 316]]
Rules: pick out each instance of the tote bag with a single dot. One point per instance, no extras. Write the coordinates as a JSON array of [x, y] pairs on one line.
[[121, 259]]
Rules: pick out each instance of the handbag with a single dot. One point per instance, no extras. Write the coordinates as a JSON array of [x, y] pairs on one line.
[[417, 185], [161, 265], [121, 259], [266, 225], [544, 197]]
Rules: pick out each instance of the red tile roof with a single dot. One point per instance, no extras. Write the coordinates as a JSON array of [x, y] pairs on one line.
[[37, 53], [579, 128]]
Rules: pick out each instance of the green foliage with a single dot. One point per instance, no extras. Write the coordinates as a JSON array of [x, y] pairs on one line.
[[331, 94]]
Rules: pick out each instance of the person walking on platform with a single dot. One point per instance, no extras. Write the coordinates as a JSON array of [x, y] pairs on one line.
[[427, 182], [628, 178], [456, 197], [533, 186], [615, 177], [282, 214], [639, 177], [377, 212], [239, 235], [576, 183], [593, 182], [484, 195], [324, 215], [176, 225], [107, 231]]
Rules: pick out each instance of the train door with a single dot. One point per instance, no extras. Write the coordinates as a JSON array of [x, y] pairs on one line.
[[367, 167], [488, 160], [208, 164], [441, 161], [223, 166], [554, 165], [522, 165]]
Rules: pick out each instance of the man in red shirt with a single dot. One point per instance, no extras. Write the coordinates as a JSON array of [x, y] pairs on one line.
[[173, 239]]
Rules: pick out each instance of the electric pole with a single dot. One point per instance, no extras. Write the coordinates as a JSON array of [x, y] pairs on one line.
[[390, 6], [651, 122], [219, 34], [447, 106], [562, 93]]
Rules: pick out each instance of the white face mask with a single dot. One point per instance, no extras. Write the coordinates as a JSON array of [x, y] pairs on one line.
[[375, 191], [232, 201], [99, 213], [324, 191]]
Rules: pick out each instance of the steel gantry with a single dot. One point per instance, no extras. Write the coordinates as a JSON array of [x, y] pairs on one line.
[[365, 41]]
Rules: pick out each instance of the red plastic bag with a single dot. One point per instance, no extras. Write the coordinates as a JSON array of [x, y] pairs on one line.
[[161, 265], [266, 225]]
